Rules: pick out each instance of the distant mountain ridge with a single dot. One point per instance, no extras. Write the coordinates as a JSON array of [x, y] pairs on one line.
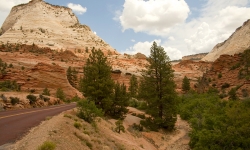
[[51, 26], [236, 43]]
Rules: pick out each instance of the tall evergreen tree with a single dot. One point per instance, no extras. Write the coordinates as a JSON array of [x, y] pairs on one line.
[[159, 90], [185, 84], [133, 87], [96, 83], [120, 101]]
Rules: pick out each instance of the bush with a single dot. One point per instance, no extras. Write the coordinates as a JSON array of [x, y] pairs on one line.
[[46, 91], [9, 86], [225, 85], [137, 127], [219, 75], [14, 100], [88, 111], [77, 125], [47, 145], [31, 98]]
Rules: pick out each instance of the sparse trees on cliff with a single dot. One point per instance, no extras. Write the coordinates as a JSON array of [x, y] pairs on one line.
[[159, 90]]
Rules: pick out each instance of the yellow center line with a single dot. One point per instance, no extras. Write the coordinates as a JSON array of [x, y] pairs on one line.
[[31, 112]]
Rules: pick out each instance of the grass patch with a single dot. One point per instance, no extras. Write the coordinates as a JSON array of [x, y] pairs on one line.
[[77, 125], [47, 145]]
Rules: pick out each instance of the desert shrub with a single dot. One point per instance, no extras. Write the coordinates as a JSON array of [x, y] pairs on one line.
[[47, 145], [232, 94], [9, 86], [88, 111], [77, 125], [31, 98], [142, 116], [219, 75], [14, 100], [46, 99], [137, 127], [46, 91], [225, 85], [244, 93], [119, 126], [32, 91], [76, 98], [235, 66], [60, 94], [3, 98]]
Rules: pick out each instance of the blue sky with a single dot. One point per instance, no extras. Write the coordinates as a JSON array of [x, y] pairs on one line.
[[182, 27]]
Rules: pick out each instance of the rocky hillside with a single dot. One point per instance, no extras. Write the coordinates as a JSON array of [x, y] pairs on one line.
[[236, 43], [194, 57], [50, 26]]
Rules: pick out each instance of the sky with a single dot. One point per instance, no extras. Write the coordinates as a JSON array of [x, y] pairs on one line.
[[181, 27]]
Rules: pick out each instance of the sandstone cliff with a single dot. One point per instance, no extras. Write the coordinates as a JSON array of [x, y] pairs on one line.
[[236, 43], [51, 26]]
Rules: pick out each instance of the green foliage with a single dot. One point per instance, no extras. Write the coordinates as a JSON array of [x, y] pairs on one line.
[[225, 85], [232, 94], [219, 75], [46, 91], [185, 84], [72, 76], [14, 100], [31, 98], [88, 111], [97, 84], [9, 86], [77, 125], [75, 98], [3, 67], [47, 145], [157, 88], [137, 127], [60, 94], [120, 101], [133, 87], [119, 126], [216, 124]]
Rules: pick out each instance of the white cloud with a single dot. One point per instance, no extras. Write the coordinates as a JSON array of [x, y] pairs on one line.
[[153, 16], [132, 40], [77, 8], [144, 48], [5, 7], [215, 23]]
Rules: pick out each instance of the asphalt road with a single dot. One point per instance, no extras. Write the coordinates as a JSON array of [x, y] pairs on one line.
[[13, 124]]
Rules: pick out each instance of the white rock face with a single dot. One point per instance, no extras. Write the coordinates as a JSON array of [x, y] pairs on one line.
[[236, 43], [51, 26]]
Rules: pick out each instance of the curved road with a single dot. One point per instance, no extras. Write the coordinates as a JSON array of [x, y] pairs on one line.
[[13, 124]]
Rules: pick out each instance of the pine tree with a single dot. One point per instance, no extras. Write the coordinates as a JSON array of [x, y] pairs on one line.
[[60, 94], [97, 84], [185, 84], [133, 88], [120, 101], [46, 91], [158, 90], [119, 126]]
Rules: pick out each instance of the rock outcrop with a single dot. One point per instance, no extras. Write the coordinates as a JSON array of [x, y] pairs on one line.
[[236, 43], [194, 57], [50, 26]]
